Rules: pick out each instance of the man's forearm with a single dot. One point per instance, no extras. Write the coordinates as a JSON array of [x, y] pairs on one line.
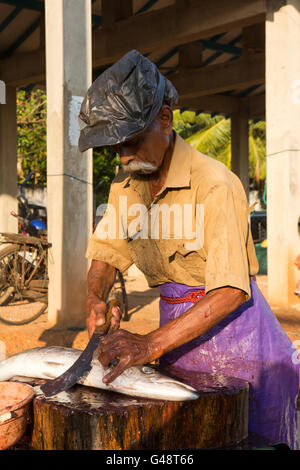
[[196, 321], [101, 277]]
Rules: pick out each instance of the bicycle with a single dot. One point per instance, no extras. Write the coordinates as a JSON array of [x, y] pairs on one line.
[[24, 265], [23, 274], [24, 262]]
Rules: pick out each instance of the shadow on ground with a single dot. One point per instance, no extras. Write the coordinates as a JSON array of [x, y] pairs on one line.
[[288, 319], [138, 300], [60, 337]]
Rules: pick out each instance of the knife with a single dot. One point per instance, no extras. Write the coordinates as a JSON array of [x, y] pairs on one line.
[[84, 363]]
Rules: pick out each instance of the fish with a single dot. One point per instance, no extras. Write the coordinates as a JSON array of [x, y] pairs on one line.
[[51, 361]]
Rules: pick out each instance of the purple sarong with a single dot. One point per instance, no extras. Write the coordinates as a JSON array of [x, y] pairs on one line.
[[249, 344]]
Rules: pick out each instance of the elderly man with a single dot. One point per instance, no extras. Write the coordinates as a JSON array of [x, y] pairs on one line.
[[213, 318]]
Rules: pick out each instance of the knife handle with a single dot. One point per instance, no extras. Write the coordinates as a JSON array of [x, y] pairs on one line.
[[103, 329]]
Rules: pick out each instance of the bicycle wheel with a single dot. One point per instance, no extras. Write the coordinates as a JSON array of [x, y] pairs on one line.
[[23, 276]]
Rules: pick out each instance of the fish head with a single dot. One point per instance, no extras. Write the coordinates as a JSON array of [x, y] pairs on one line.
[[150, 382]]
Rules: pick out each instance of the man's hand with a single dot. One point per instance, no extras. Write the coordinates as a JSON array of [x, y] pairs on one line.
[[95, 314], [128, 349], [132, 349], [101, 278]]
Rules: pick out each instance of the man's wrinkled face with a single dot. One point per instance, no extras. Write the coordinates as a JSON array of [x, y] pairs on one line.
[[144, 154]]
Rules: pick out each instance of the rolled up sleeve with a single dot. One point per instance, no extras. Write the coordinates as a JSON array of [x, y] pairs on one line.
[[225, 240]]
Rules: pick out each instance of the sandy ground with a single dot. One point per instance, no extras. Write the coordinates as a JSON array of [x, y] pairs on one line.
[[143, 311]]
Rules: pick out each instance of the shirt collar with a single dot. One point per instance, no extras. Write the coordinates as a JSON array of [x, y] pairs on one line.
[[179, 174]]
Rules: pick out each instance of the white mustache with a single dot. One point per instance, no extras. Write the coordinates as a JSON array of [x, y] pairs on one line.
[[144, 168]]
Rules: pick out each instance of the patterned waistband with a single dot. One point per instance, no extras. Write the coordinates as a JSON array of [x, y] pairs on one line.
[[193, 297]]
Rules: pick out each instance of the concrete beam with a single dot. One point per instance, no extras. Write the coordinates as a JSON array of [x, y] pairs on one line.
[[283, 149], [240, 147], [115, 10], [222, 104], [168, 27], [226, 104], [23, 69], [42, 33], [256, 106], [190, 56], [70, 208], [235, 74], [253, 39]]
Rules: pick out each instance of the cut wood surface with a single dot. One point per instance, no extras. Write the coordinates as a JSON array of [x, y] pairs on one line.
[[88, 418]]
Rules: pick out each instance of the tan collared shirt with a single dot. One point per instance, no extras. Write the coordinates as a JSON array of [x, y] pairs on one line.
[[195, 231]]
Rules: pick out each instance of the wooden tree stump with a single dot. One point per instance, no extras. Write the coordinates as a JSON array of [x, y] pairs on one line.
[[88, 418]]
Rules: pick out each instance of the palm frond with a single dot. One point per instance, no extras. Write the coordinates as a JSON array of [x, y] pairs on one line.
[[212, 140], [212, 136], [257, 158], [258, 129], [225, 155]]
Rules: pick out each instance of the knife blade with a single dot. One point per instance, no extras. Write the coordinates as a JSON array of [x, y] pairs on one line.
[[84, 363]]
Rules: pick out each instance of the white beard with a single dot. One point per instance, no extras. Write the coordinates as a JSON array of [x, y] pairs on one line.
[[140, 168]]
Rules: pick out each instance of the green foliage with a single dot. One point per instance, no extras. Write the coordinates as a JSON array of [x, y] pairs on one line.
[[187, 123], [257, 150], [214, 139], [32, 146], [105, 163], [31, 129], [212, 136]]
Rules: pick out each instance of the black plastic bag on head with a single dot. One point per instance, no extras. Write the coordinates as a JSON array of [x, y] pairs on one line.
[[123, 101]]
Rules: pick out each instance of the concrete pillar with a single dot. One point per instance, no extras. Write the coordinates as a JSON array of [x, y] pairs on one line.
[[283, 148], [69, 68], [240, 147], [8, 162]]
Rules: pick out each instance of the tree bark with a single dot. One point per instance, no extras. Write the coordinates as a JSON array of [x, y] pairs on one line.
[[88, 418]]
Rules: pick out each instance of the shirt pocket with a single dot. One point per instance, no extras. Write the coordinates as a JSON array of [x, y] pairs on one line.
[[183, 249], [189, 260], [148, 258]]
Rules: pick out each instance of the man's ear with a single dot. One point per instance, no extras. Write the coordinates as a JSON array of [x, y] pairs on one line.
[[166, 118]]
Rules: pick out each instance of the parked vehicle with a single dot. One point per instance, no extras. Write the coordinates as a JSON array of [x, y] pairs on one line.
[[23, 275], [258, 226], [32, 217], [24, 263], [259, 235]]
